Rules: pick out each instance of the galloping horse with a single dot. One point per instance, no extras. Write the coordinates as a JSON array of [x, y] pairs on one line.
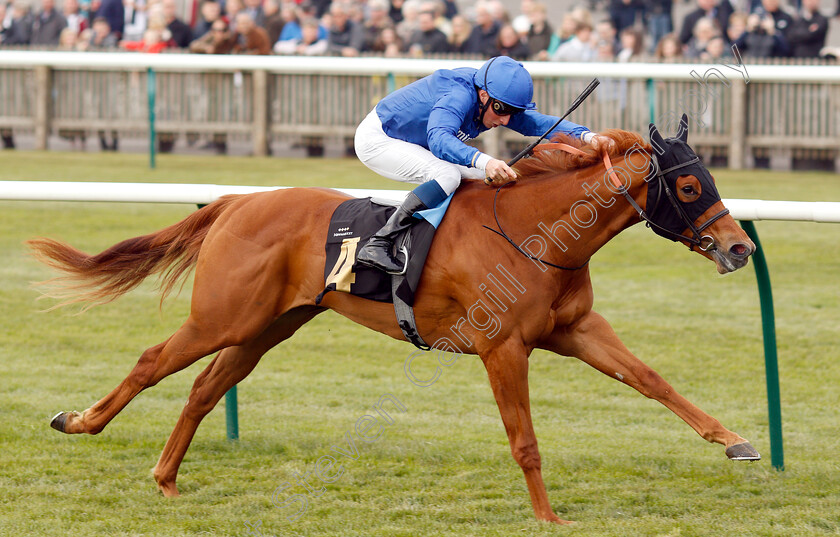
[[259, 261]]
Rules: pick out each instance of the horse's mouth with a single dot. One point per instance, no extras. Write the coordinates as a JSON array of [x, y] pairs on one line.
[[729, 263]]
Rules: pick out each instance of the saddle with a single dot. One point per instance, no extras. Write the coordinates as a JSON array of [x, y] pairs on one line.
[[351, 225]]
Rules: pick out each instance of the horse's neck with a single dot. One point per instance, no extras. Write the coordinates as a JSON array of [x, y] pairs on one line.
[[579, 211]]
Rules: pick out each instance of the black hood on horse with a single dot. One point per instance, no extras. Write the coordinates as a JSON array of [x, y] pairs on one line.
[[671, 159]]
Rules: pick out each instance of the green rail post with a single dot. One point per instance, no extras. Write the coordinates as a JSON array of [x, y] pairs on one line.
[[391, 83], [231, 405], [232, 414], [651, 87], [151, 79], [771, 363]]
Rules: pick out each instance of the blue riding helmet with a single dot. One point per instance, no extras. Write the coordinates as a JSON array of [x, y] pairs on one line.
[[506, 80]]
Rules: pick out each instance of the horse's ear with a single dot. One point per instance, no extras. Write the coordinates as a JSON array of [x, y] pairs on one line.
[[656, 139], [682, 130]]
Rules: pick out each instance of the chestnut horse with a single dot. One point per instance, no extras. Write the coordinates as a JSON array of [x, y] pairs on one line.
[[259, 264]]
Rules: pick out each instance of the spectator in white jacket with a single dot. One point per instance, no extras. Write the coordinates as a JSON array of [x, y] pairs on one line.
[[577, 49]]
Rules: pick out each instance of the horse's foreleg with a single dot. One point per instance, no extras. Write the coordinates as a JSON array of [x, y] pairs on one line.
[[188, 344], [226, 370], [507, 368], [593, 340]]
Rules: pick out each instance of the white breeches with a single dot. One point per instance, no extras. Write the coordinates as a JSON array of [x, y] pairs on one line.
[[404, 161]]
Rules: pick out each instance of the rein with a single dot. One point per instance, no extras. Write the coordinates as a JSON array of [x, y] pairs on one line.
[[501, 231], [696, 240]]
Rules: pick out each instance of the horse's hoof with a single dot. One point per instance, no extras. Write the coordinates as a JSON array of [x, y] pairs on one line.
[[742, 452], [169, 490], [557, 520], [58, 421]]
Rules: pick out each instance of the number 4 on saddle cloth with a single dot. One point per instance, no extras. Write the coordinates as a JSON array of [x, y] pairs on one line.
[[351, 225]]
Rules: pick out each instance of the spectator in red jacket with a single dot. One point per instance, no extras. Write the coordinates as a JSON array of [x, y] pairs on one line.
[[152, 42]]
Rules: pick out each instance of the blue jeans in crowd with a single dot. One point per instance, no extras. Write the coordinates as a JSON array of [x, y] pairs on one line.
[[659, 24]]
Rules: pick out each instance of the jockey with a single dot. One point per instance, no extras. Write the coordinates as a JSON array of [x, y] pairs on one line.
[[417, 135]]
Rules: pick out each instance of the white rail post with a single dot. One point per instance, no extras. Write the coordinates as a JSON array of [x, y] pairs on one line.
[[738, 126], [260, 110], [43, 94]]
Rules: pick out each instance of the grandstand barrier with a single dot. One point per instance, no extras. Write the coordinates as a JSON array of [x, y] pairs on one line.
[[744, 210], [740, 113]]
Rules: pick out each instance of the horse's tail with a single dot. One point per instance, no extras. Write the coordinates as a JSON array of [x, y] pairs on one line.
[[101, 278]]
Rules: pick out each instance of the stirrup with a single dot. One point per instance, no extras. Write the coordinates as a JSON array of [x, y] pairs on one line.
[[404, 251]]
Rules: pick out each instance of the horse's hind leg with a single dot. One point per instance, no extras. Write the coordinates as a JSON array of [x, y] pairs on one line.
[[226, 370], [232, 302], [214, 323], [593, 340], [190, 343]]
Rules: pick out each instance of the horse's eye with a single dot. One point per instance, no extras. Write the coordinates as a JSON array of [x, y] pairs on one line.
[[688, 190]]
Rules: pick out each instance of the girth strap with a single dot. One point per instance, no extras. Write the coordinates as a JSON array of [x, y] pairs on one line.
[[404, 312], [405, 315]]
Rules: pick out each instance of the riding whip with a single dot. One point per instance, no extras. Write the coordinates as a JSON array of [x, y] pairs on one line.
[[582, 97]]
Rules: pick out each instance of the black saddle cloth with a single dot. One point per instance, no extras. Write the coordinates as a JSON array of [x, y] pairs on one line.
[[351, 225]]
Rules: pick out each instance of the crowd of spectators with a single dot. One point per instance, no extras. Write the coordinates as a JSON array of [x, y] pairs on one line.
[[604, 30], [611, 30]]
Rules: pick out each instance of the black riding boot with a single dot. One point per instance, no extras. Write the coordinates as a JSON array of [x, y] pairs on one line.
[[377, 253]]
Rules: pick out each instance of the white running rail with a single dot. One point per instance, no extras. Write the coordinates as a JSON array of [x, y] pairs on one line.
[[200, 194]]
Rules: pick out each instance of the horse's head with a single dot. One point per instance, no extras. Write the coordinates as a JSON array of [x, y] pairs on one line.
[[683, 203]]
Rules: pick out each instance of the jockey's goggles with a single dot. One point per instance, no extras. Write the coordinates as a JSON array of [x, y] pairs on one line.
[[503, 109]]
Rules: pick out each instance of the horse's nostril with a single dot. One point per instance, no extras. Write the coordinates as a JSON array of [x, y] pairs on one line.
[[740, 250]]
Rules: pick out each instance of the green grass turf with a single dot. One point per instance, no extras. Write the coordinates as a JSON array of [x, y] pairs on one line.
[[613, 461]]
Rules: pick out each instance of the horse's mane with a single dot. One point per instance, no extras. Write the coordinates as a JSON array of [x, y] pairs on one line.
[[552, 161]]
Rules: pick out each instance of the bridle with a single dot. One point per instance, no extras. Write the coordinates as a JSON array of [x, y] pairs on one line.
[[703, 243]]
